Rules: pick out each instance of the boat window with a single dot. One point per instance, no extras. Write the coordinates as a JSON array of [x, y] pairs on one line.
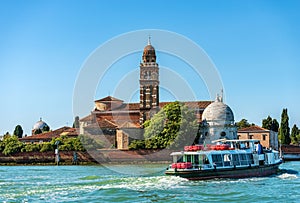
[[203, 159], [188, 158], [244, 160], [250, 158], [226, 158], [235, 160], [196, 159], [177, 159], [217, 159]]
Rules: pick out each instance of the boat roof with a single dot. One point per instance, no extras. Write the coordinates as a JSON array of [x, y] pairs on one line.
[[242, 140], [238, 151]]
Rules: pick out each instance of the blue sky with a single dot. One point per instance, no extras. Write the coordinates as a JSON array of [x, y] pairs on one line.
[[43, 45]]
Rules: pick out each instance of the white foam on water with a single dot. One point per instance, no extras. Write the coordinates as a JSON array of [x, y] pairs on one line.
[[238, 180], [147, 183], [288, 176]]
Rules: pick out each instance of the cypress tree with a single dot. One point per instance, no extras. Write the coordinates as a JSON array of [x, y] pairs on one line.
[[18, 131], [284, 132], [294, 133], [76, 122]]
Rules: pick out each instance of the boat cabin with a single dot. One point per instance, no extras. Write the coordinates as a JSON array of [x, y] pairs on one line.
[[224, 154]]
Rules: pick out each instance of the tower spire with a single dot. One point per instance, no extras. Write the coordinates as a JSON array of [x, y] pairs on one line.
[[149, 40]]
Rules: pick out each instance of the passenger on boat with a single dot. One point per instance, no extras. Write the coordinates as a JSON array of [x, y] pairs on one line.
[[259, 148]]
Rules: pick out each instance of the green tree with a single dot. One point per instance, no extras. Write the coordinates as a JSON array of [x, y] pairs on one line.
[[284, 132], [6, 135], [31, 148], [76, 122], [270, 124], [137, 144], [12, 145], [2, 145], [294, 134], [89, 143], [275, 125], [243, 124], [18, 131], [267, 123], [46, 147], [173, 126]]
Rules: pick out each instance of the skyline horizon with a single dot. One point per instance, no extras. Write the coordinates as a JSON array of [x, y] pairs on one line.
[[44, 45]]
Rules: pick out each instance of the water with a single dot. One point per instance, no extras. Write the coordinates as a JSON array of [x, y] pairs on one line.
[[100, 184]]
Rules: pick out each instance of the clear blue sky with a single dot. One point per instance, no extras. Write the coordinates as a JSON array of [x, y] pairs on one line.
[[43, 44]]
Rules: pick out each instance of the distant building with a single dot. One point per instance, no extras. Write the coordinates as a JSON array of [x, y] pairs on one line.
[[48, 136], [268, 138], [117, 123], [39, 126], [217, 122]]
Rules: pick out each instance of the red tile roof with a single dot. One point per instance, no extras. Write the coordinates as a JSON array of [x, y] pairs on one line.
[[102, 124], [47, 136], [87, 118], [109, 99], [254, 128], [129, 113]]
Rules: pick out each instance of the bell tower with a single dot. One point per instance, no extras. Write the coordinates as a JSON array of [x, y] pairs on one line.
[[149, 84]]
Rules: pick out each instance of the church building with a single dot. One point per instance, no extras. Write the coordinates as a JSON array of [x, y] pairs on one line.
[[116, 122], [217, 122]]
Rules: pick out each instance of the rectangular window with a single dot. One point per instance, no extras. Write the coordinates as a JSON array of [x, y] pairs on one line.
[[235, 160], [217, 159], [227, 159], [250, 158], [196, 159], [244, 160], [179, 159], [264, 137], [188, 158], [203, 159]]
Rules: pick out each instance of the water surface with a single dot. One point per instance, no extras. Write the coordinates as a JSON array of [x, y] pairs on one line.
[[149, 184]]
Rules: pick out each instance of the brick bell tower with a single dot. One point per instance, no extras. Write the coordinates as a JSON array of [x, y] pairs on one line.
[[149, 84]]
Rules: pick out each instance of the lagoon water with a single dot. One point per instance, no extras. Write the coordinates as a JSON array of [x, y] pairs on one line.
[[142, 183]]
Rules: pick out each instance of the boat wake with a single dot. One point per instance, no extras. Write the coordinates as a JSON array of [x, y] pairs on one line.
[[145, 183], [288, 176]]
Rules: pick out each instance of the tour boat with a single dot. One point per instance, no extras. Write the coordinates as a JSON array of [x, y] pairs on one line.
[[224, 159]]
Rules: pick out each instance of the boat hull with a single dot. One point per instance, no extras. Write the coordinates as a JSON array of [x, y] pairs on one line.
[[245, 172]]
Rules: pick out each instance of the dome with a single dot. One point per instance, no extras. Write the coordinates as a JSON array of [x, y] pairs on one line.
[[149, 47], [149, 53], [149, 50], [40, 125], [218, 112]]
